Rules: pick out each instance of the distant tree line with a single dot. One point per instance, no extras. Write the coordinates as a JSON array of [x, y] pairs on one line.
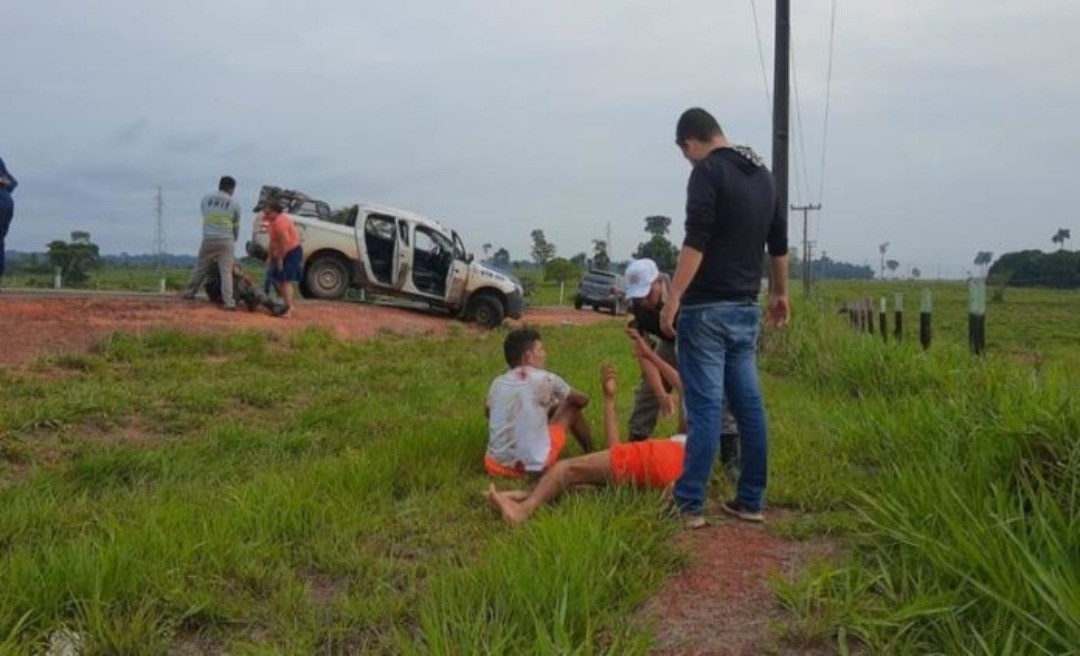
[[1034, 268]]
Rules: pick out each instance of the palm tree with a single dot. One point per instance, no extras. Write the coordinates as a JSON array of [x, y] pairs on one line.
[[881, 249], [983, 259], [1060, 237], [892, 265]]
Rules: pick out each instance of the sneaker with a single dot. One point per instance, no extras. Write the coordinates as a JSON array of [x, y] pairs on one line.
[[693, 522], [735, 508]]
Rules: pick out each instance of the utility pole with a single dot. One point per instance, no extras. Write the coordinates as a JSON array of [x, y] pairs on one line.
[[159, 242], [781, 87], [807, 271]]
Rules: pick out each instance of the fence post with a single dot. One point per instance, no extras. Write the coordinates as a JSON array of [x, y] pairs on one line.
[[562, 290], [853, 318], [56, 281], [898, 305], [926, 331], [868, 308], [977, 316], [883, 321]]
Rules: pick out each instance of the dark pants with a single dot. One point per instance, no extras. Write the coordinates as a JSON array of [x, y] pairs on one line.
[[7, 210]]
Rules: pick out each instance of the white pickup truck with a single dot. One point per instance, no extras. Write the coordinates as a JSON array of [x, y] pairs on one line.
[[389, 252]]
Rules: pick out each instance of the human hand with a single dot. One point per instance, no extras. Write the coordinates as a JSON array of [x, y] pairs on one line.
[[641, 347], [667, 405], [667, 317], [607, 380], [779, 311]]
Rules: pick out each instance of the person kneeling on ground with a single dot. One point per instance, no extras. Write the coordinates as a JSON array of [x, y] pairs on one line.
[[655, 463], [529, 411], [244, 291]]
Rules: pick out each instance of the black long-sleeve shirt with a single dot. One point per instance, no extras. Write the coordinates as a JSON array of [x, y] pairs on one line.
[[731, 215]]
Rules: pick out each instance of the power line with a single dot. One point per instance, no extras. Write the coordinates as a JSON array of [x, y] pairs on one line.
[[828, 89], [761, 54], [801, 143]]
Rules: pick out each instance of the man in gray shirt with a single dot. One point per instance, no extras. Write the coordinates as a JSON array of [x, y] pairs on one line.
[[221, 227]]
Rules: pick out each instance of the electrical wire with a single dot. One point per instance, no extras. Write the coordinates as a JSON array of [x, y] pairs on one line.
[[828, 90], [761, 55]]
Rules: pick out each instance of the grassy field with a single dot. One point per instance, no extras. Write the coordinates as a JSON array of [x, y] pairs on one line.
[[266, 494]]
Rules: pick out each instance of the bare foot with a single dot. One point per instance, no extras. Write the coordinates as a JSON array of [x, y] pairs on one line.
[[510, 509], [515, 495]]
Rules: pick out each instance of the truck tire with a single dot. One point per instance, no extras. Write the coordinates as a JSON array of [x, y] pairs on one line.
[[486, 310], [326, 277], [577, 303]]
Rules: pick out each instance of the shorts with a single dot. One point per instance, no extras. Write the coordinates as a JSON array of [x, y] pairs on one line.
[[556, 433], [290, 266], [650, 463]]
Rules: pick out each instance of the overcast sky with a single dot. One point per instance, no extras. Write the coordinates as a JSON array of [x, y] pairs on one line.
[[953, 123]]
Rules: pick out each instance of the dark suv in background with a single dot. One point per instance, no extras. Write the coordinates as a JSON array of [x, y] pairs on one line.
[[602, 289]]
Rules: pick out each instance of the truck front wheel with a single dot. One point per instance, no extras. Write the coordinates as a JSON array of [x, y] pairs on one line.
[[327, 277], [486, 310]]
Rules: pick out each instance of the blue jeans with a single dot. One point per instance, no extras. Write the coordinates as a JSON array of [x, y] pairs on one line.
[[717, 350]]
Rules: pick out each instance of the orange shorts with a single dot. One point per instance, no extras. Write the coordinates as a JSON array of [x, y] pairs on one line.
[[650, 463], [556, 433]]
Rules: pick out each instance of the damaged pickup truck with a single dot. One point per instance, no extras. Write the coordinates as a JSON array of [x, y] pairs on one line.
[[389, 252]]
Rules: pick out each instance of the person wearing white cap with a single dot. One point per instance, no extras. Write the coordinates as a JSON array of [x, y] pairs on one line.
[[647, 288]]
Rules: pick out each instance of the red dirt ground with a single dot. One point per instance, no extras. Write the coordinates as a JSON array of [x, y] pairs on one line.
[[719, 604], [44, 324]]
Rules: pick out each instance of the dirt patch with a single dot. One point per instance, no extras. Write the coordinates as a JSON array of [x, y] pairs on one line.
[[35, 325], [721, 604]]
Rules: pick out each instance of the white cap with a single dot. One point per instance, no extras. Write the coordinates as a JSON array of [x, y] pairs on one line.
[[640, 275]]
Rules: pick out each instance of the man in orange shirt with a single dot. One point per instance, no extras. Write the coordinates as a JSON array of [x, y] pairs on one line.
[[283, 262], [655, 463]]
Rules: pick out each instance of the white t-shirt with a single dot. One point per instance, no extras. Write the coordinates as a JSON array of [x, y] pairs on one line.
[[518, 402]]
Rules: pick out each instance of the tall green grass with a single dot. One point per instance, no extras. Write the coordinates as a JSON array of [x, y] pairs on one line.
[[965, 476], [300, 495]]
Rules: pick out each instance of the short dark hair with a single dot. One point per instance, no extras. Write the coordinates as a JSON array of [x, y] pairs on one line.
[[226, 183], [275, 206], [517, 344], [696, 123]]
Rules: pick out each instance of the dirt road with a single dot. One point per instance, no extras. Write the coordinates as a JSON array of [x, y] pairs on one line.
[[33, 325]]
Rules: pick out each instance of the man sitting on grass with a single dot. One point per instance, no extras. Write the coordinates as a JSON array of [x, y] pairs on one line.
[[529, 411], [655, 463]]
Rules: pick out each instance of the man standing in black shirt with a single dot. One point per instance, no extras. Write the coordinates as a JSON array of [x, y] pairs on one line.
[[731, 215], [648, 289]]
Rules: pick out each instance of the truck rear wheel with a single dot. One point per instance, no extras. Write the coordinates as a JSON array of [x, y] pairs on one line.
[[486, 310], [327, 277]]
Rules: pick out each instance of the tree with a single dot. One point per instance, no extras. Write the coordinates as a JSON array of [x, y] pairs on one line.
[[881, 249], [487, 249], [76, 258], [580, 260], [501, 259], [560, 270], [915, 273], [983, 259], [892, 266], [659, 250], [600, 255], [1060, 237], [657, 226], [542, 249]]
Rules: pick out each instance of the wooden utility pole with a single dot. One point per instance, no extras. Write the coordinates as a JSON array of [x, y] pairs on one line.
[[781, 86], [807, 269]]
